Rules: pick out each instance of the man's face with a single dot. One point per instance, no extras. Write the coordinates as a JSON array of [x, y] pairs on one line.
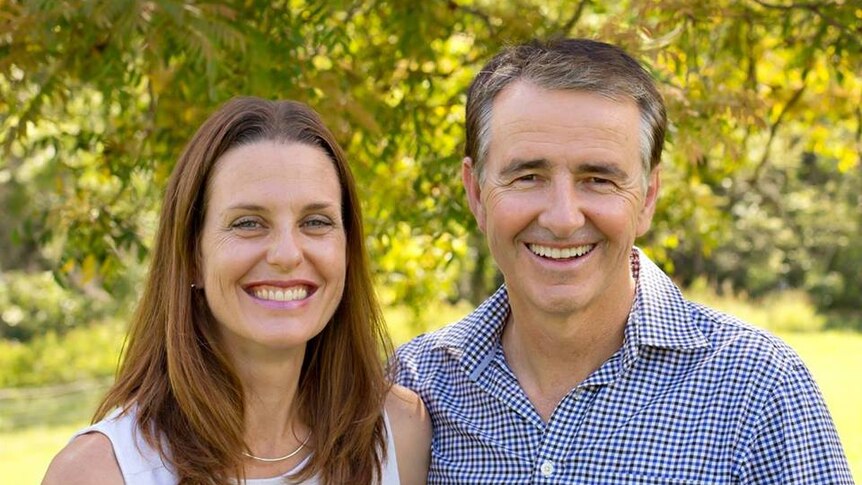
[[562, 197]]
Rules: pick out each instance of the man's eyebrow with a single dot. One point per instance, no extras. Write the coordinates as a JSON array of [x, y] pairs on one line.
[[518, 166], [601, 169]]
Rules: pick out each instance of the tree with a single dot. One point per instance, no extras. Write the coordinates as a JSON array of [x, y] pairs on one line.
[[97, 99]]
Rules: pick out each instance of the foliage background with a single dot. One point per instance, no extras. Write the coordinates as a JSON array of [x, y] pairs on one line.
[[97, 98]]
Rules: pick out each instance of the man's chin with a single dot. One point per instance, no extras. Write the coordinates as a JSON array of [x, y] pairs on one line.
[[560, 301]]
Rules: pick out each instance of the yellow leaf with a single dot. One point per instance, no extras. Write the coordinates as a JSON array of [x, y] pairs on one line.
[[847, 161], [68, 267], [88, 268], [322, 63]]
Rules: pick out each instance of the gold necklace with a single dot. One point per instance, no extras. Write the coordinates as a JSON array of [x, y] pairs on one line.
[[280, 458]]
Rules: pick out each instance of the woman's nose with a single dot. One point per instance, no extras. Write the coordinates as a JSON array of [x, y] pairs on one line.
[[285, 250]]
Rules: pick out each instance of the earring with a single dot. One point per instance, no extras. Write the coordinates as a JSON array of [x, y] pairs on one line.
[[194, 286]]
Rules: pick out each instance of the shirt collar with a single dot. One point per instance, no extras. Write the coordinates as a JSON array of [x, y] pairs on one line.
[[660, 317], [473, 340]]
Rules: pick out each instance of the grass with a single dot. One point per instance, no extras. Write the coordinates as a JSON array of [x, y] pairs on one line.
[[34, 428], [32, 432], [26, 453], [50, 406]]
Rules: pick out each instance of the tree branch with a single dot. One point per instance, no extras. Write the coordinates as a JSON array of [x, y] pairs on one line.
[[486, 19], [859, 137], [752, 57], [575, 17], [817, 9], [773, 130]]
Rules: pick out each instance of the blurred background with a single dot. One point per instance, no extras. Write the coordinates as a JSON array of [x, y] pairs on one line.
[[762, 182]]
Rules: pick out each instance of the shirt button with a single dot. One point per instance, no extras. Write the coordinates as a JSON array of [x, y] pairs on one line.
[[547, 468]]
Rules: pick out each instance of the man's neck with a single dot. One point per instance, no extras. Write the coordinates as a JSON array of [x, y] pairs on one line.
[[551, 355]]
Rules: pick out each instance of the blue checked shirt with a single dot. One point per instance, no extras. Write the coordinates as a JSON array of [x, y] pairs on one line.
[[693, 396]]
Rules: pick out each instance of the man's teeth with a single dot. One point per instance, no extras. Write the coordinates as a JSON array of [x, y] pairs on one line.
[[560, 253], [282, 294]]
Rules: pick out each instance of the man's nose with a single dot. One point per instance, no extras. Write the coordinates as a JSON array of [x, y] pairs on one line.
[[563, 211], [285, 250]]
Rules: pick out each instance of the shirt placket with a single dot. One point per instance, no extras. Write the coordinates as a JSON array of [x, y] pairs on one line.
[[553, 461], [550, 461]]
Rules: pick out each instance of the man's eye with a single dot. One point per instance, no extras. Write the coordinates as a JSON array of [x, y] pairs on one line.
[[531, 177]]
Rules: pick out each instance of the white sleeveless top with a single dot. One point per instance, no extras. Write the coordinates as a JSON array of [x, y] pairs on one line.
[[142, 464]]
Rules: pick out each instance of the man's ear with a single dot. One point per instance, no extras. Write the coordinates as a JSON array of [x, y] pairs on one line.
[[650, 201], [474, 191]]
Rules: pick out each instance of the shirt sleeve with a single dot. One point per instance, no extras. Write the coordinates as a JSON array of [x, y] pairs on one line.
[[403, 366], [795, 441]]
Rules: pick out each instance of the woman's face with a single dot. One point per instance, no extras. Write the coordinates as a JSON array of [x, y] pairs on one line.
[[273, 246]]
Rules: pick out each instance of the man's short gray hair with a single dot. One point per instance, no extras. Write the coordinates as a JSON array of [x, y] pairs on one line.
[[577, 64]]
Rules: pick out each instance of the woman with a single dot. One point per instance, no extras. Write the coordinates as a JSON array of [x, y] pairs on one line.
[[255, 351]]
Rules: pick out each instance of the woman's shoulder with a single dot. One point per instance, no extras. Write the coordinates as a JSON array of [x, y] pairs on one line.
[[411, 430], [407, 414], [404, 405], [111, 451], [88, 458]]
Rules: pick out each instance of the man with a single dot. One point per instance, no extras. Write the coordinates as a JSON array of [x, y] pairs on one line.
[[588, 366]]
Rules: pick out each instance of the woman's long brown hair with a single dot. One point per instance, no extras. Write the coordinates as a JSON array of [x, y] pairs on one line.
[[174, 369]]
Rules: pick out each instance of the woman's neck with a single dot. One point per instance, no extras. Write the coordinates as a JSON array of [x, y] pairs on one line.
[[272, 423]]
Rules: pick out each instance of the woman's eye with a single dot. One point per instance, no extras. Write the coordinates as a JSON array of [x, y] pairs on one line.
[[317, 223], [246, 223]]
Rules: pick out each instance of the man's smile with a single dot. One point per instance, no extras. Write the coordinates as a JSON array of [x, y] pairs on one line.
[[560, 253]]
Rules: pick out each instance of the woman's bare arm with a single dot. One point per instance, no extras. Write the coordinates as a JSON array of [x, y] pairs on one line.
[[411, 427], [88, 459]]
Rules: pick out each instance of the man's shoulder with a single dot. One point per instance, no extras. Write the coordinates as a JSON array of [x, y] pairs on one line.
[[776, 397], [422, 355], [671, 319], [743, 341], [457, 348], [473, 333], [440, 341]]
